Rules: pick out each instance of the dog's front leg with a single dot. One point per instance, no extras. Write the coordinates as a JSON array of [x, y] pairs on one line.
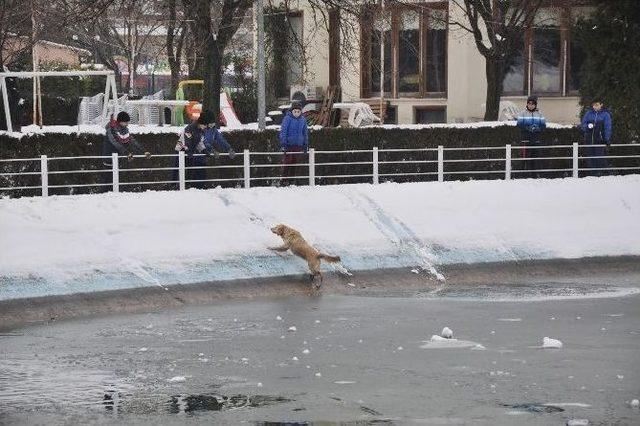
[[279, 248]]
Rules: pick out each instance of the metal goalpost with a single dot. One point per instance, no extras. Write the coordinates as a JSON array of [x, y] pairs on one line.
[[109, 88]]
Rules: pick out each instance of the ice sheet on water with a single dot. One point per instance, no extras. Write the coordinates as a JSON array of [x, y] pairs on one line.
[[439, 342]]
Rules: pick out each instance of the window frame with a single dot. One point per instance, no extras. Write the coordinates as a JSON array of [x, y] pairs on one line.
[[564, 28], [395, 11], [418, 108]]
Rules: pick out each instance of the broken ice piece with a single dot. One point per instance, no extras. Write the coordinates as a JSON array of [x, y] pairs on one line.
[[549, 343], [446, 333]]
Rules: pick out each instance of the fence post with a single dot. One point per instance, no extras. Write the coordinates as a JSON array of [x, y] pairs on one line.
[[440, 163], [115, 172], [247, 169], [44, 175], [507, 162], [181, 171], [575, 167], [312, 167], [376, 173]]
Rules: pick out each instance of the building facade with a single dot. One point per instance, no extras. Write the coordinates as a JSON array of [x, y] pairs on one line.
[[432, 70]]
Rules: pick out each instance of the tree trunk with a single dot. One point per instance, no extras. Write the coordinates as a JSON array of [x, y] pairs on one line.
[[494, 89], [212, 77]]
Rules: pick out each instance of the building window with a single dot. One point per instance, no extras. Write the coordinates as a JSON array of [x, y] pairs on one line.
[[545, 47], [549, 61], [429, 115], [381, 28], [415, 50], [437, 51], [513, 82], [576, 52], [409, 52]]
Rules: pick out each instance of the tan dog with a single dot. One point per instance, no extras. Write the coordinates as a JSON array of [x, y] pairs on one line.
[[294, 241]]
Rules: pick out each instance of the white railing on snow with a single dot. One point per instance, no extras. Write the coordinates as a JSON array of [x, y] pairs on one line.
[[313, 165]]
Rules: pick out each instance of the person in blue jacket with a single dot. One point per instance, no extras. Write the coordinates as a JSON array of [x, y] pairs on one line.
[[198, 140], [294, 140], [597, 128], [531, 123]]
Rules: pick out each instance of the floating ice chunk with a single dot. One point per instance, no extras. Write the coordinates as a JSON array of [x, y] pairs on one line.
[[177, 379], [439, 342], [400, 348], [259, 384], [478, 347], [279, 318], [510, 319], [235, 320], [415, 271], [347, 382], [317, 321], [306, 351], [578, 422], [620, 376], [446, 333], [200, 354], [549, 343], [351, 284], [143, 349], [635, 403], [293, 328], [318, 374], [295, 358]]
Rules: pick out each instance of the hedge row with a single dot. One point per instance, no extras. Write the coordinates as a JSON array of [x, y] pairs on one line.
[[331, 139]]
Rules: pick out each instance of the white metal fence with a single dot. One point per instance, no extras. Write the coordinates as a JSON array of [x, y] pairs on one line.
[[68, 175]]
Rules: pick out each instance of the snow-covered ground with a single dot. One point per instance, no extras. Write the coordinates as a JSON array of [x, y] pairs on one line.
[[66, 244]]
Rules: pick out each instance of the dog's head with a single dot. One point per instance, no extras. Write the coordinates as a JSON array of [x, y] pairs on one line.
[[279, 229]]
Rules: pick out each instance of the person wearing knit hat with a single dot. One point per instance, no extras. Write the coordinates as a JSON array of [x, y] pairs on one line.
[[198, 139], [118, 140], [531, 123], [294, 141], [597, 127]]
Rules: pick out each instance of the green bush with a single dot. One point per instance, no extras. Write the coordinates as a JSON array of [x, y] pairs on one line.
[[330, 139]]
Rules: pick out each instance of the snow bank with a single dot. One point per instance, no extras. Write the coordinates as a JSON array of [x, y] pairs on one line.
[[66, 244]]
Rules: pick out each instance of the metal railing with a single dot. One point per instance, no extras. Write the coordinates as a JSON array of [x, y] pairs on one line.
[[68, 175]]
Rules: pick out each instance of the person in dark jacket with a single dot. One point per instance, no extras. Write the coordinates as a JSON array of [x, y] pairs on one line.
[[597, 128], [118, 140], [198, 138], [294, 140], [531, 123]]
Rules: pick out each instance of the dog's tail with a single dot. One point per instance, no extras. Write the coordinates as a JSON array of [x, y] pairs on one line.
[[330, 259]]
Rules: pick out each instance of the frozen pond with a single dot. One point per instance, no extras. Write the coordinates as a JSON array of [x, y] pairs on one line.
[[350, 359]]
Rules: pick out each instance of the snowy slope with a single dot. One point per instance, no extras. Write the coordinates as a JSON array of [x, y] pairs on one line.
[[66, 244]]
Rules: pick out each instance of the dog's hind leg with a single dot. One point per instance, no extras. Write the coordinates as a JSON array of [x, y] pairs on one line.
[[314, 268]]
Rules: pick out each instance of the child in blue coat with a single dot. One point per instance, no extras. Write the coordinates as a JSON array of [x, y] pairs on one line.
[[597, 128], [294, 140]]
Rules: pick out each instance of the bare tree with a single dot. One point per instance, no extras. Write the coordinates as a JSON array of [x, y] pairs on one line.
[[123, 29], [176, 27], [497, 27], [213, 24], [15, 32]]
